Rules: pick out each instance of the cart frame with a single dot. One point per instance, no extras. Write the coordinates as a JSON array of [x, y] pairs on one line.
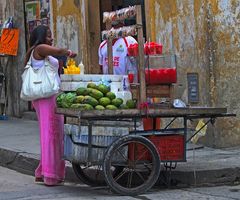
[[123, 117]]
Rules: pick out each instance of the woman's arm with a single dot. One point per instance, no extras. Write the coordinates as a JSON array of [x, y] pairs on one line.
[[43, 50]]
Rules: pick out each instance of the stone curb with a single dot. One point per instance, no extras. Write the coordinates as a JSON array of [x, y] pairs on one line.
[[26, 163]]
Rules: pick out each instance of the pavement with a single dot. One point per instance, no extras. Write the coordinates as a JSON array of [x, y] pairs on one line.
[[20, 150]]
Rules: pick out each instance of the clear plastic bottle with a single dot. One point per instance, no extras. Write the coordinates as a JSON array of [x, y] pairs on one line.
[[81, 66], [125, 93]]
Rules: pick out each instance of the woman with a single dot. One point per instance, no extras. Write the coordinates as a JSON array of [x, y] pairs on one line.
[[51, 169]]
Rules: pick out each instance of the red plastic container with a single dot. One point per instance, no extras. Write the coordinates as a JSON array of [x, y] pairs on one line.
[[133, 50], [152, 48], [170, 148], [158, 48], [161, 76], [130, 77]]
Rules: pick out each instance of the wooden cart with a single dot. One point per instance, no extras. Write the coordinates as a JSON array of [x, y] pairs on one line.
[[130, 164]]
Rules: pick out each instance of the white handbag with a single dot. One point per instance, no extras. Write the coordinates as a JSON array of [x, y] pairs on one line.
[[39, 83]]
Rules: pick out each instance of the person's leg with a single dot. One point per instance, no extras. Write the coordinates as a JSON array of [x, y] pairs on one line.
[[51, 166], [38, 171]]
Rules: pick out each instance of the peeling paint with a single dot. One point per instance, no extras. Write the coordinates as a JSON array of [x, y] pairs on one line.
[[70, 25], [205, 36]]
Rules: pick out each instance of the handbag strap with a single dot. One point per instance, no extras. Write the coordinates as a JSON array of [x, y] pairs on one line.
[[46, 62], [29, 63]]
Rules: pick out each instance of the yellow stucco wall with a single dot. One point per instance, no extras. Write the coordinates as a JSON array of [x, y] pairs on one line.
[[204, 34], [69, 26]]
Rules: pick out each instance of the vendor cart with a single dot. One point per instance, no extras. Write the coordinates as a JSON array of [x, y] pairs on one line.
[[130, 162]]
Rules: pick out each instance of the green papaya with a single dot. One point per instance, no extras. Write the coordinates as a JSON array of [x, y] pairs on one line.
[[104, 101], [79, 99], [123, 106], [111, 107], [90, 100], [82, 91], [92, 85], [131, 104], [96, 94], [75, 105], [88, 107], [99, 107], [111, 95], [103, 88], [117, 102]]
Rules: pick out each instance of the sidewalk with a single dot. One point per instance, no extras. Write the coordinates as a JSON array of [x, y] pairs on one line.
[[19, 150]]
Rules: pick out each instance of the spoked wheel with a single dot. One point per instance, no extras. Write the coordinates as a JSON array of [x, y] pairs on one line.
[[92, 175], [140, 161]]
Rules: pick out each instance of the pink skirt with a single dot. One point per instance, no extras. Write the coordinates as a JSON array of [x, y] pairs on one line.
[[52, 166]]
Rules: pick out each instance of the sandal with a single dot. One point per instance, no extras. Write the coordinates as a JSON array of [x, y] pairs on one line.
[[39, 180], [53, 182]]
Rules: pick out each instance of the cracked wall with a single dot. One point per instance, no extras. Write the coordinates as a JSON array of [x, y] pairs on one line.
[[204, 35]]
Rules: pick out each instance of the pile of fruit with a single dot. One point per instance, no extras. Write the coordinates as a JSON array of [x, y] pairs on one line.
[[71, 67], [94, 96]]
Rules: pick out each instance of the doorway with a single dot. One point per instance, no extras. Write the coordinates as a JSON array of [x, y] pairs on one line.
[[96, 25]]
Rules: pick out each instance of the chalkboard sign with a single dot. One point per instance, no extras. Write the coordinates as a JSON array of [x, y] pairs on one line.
[[193, 88]]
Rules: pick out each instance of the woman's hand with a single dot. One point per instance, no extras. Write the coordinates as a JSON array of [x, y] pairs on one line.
[[71, 54]]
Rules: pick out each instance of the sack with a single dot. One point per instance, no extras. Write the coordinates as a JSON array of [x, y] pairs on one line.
[[39, 83]]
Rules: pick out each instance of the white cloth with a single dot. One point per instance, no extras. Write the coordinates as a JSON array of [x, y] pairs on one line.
[[119, 55]]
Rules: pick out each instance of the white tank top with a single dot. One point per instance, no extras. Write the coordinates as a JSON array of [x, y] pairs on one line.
[[36, 64]]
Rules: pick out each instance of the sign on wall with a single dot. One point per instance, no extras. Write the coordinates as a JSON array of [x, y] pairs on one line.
[[193, 88], [9, 41], [37, 12]]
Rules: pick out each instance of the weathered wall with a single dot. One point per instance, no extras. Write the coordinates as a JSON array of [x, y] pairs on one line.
[[226, 66], [204, 34], [13, 65], [69, 24]]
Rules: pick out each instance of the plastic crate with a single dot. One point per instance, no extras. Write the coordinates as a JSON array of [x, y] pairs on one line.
[[170, 148]]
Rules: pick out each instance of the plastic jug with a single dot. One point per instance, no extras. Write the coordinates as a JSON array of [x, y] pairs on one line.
[[124, 95], [81, 67]]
